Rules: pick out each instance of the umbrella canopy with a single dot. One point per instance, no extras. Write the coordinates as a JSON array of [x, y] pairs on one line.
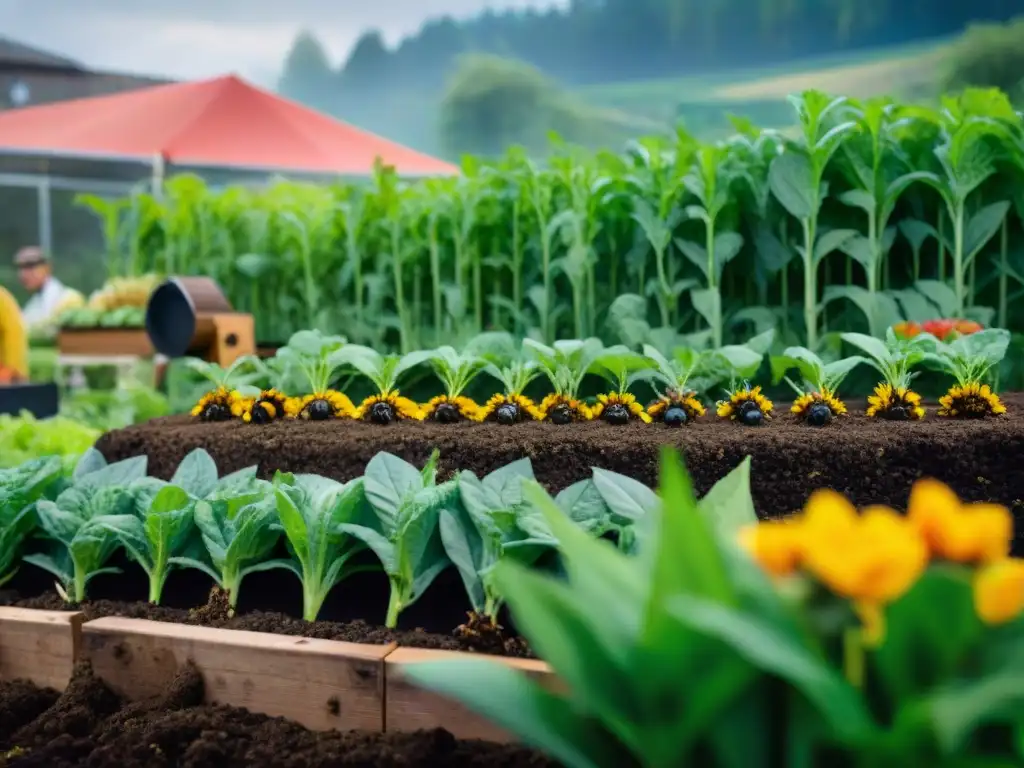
[[220, 123]]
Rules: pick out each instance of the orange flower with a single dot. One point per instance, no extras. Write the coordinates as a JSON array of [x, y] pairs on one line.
[[958, 532], [776, 545], [907, 329], [999, 591]]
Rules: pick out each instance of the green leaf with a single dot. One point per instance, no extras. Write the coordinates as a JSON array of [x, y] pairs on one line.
[[782, 655], [982, 227], [708, 303], [625, 497], [875, 348], [389, 481], [790, 179], [962, 708], [521, 706], [197, 474], [729, 505], [942, 297], [465, 548], [830, 241], [923, 648]]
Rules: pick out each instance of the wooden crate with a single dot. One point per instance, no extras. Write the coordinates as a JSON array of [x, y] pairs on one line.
[[104, 342], [321, 684], [39, 646]]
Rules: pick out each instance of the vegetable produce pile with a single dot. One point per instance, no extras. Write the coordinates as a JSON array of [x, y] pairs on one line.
[[296, 383], [120, 303], [24, 437], [229, 526], [867, 214]]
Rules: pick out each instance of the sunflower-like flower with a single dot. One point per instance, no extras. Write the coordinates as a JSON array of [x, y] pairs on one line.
[[562, 409], [747, 405], [269, 406], [676, 408], [320, 406], [818, 408], [971, 401], [220, 404], [510, 409], [895, 404], [620, 407], [449, 410], [389, 406]]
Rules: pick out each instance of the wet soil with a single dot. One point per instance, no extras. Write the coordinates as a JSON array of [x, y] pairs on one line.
[[870, 461], [89, 725]]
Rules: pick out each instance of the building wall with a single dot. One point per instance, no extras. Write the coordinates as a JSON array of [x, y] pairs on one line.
[[49, 85]]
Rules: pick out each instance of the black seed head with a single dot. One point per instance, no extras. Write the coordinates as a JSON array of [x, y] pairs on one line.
[[896, 412], [319, 410], [216, 412], [675, 416], [750, 414], [260, 415], [382, 413], [560, 414], [819, 414], [508, 413], [616, 414], [446, 413]]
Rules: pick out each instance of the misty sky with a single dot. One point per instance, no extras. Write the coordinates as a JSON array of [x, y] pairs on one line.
[[202, 38]]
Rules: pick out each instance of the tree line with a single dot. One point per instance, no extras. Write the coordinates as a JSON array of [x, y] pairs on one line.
[[597, 41]]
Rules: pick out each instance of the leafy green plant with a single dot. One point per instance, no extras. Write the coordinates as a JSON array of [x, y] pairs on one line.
[[237, 376], [893, 358], [402, 530], [621, 632], [25, 437], [79, 545], [566, 362], [490, 524], [618, 365], [604, 503], [154, 537], [314, 512], [968, 359], [20, 488], [383, 371], [455, 371], [317, 356], [818, 375], [706, 368]]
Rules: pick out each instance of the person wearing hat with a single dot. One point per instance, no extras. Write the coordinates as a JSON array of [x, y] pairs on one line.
[[47, 291]]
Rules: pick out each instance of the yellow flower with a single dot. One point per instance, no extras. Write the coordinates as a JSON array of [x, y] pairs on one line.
[[528, 410], [999, 591], [743, 402], [626, 400], [776, 545], [338, 406], [895, 404], [971, 401], [464, 407], [802, 405], [963, 533], [576, 409], [688, 401], [218, 405], [400, 408], [269, 406], [874, 557]]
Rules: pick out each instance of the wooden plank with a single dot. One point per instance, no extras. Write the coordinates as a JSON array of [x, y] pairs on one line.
[[408, 708], [321, 684], [104, 342], [40, 646]]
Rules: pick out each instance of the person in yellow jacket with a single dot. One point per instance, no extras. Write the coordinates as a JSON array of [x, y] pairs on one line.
[[13, 338]]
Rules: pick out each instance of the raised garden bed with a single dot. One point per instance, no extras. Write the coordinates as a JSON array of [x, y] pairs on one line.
[[136, 692], [869, 460], [104, 341]]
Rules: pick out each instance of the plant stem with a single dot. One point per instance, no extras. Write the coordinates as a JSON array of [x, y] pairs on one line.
[[853, 656], [394, 607], [435, 275], [957, 214], [810, 286], [157, 577], [517, 264], [1004, 237]]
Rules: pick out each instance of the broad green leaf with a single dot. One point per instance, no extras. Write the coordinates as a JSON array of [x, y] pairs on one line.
[[830, 241], [197, 474], [790, 178], [389, 481], [729, 505], [625, 497], [982, 227], [521, 706]]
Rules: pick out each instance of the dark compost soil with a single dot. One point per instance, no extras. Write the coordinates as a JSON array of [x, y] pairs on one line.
[[90, 726], [871, 461]]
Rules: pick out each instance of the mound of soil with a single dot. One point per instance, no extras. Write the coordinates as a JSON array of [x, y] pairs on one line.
[[88, 725], [871, 461]]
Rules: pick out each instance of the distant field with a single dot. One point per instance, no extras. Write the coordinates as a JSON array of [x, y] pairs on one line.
[[904, 71]]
